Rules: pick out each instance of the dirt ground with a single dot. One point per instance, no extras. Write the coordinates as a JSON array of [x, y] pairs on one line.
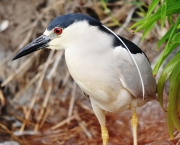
[[41, 104]]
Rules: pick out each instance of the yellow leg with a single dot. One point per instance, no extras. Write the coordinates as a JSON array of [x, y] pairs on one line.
[[134, 122], [100, 114], [104, 134]]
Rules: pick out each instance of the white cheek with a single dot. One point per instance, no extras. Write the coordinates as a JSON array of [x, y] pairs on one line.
[[55, 44]]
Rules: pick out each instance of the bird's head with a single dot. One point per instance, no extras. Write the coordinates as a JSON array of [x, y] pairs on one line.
[[63, 32]]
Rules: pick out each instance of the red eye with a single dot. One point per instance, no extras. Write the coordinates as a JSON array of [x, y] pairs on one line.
[[58, 31]]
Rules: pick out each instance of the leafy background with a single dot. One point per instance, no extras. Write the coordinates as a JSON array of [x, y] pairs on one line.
[[158, 13]]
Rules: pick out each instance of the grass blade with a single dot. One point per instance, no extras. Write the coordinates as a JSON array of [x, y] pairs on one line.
[[163, 57], [164, 38], [147, 30], [137, 23], [152, 6], [163, 13], [173, 94], [174, 30], [165, 75], [172, 8], [176, 38]]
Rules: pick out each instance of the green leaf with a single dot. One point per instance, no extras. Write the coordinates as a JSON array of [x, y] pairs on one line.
[[164, 38], [163, 13], [179, 103], [152, 6], [169, 47], [148, 21], [163, 56], [172, 117], [173, 95], [165, 75], [147, 29], [172, 8], [170, 18], [137, 23], [174, 30], [178, 27], [176, 38]]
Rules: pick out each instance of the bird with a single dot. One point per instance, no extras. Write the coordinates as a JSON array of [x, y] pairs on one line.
[[112, 71]]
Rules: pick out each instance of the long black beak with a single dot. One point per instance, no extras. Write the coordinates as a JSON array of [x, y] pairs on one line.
[[37, 44]]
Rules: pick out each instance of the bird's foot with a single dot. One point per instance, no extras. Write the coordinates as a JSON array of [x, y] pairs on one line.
[[105, 135]]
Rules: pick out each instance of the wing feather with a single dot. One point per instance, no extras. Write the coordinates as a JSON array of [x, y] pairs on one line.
[[128, 73]]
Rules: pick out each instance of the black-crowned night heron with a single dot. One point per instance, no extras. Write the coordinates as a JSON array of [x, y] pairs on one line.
[[112, 71]]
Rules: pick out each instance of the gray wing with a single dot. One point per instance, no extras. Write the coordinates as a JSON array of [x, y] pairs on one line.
[[129, 76]]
